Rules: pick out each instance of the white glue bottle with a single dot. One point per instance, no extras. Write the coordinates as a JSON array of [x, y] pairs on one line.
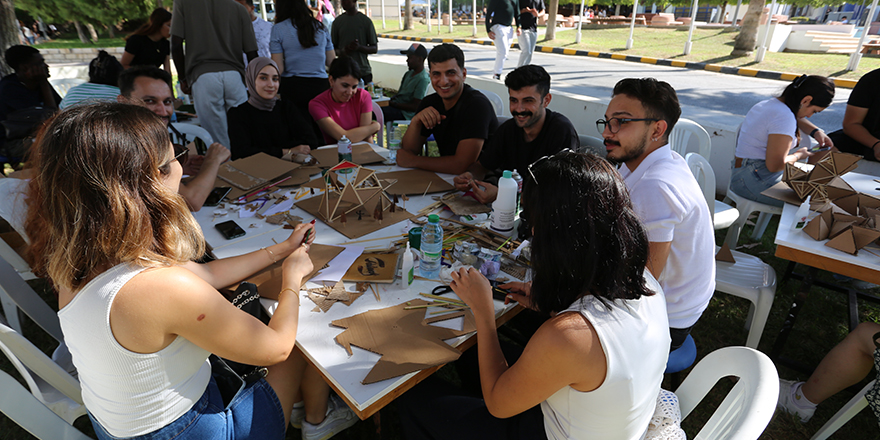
[[800, 217], [406, 268], [504, 207]]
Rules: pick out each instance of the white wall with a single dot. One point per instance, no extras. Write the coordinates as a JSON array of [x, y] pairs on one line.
[[583, 111]]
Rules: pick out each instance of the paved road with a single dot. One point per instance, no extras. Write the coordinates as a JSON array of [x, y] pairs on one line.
[[704, 95]]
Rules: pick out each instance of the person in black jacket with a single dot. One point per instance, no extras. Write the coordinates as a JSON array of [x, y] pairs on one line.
[[264, 123]]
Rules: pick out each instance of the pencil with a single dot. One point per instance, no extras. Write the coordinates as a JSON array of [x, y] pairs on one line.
[[309, 232]]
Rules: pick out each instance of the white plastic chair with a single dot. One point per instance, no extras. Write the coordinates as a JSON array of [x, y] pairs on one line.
[[748, 407], [14, 287], [496, 101], [592, 144], [25, 410], [681, 135], [193, 131], [48, 382], [723, 215], [62, 85], [754, 280], [746, 207], [380, 118], [853, 407]]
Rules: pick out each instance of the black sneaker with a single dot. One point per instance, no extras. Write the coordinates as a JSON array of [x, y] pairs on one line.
[[497, 76]]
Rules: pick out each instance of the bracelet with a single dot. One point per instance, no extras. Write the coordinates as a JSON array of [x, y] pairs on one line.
[[271, 255], [295, 293], [875, 144], [813, 132]]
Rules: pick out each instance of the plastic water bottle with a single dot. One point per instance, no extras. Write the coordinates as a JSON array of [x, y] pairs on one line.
[[431, 247], [393, 143], [343, 148], [504, 207]]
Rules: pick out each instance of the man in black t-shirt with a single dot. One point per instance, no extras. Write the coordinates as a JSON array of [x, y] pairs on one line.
[[528, 20], [27, 87], [460, 118], [532, 133], [861, 122]]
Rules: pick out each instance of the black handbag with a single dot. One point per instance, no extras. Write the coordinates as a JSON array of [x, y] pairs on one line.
[[246, 298], [20, 126]]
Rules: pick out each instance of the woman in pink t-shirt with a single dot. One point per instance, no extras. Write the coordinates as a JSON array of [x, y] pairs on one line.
[[344, 109]]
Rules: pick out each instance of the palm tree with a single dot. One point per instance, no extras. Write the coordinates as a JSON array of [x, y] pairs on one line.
[[746, 41]]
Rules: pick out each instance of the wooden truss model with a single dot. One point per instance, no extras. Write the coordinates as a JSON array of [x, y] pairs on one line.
[[365, 191]]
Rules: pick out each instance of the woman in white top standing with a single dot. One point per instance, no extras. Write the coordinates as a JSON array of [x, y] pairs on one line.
[[771, 131], [593, 370], [139, 317]]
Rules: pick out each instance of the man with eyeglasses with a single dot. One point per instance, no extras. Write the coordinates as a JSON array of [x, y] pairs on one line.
[[150, 87], [665, 195], [533, 132]]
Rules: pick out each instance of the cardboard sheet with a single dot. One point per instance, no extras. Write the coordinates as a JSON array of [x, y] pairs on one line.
[[361, 153], [246, 174], [354, 227], [415, 182], [373, 268], [268, 280], [464, 205], [724, 254], [404, 338]]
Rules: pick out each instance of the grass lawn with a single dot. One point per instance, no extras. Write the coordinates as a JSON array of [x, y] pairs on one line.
[[821, 325], [709, 46], [71, 41]]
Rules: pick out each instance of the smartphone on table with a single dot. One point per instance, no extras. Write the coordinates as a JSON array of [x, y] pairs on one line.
[[229, 229], [217, 195]]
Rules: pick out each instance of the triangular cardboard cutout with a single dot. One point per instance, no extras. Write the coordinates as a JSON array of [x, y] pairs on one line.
[[404, 338], [867, 201], [845, 242], [269, 280], [793, 173], [844, 162], [361, 153], [849, 203], [838, 227], [864, 236], [412, 182], [818, 228], [724, 254]]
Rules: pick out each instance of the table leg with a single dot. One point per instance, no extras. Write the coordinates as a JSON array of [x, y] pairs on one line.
[[788, 272], [800, 298]]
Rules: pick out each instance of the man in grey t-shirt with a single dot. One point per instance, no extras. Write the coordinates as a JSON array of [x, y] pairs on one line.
[[217, 33]]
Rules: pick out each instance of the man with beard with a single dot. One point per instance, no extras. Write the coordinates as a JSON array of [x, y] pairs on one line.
[[534, 132], [665, 195], [150, 87]]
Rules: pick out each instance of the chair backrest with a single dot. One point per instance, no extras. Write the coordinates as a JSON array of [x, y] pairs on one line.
[[62, 85], [496, 101], [681, 136], [12, 203], [380, 118], [194, 131], [48, 382], [702, 171], [748, 407], [31, 414], [15, 287], [592, 144]]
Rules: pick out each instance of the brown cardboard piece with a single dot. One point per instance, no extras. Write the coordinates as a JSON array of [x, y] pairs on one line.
[[373, 268], [361, 153], [411, 182], [844, 242], [820, 227], [246, 174], [724, 254], [464, 205], [268, 280], [404, 338], [324, 297], [353, 227]]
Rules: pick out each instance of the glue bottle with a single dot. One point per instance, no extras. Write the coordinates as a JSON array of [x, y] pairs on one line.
[[504, 207], [407, 267], [800, 217]]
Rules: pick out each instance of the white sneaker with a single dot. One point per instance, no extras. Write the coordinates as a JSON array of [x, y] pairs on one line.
[[787, 403], [298, 414], [339, 418]]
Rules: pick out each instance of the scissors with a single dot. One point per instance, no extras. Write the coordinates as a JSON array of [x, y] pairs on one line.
[[440, 290]]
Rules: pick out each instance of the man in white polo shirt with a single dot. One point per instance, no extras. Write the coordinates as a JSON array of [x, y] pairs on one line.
[[665, 195]]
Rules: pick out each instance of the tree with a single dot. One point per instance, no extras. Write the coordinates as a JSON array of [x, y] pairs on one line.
[[408, 17], [552, 7], [746, 41], [103, 13], [8, 32]]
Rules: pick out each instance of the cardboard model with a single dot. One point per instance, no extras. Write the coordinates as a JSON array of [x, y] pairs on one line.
[[268, 280], [404, 338], [412, 182], [724, 254], [361, 153], [324, 297], [357, 207], [373, 268], [464, 205], [824, 176]]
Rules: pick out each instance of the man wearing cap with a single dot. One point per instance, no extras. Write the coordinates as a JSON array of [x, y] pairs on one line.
[[413, 86]]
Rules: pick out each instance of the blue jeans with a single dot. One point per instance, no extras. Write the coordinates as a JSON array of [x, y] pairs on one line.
[[752, 178], [254, 413]]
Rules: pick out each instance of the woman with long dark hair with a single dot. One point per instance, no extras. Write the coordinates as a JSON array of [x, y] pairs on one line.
[[301, 47], [139, 317], [148, 45], [594, 369], [770, 136]]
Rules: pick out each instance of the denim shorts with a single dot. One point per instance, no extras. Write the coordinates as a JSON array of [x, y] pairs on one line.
[[752, 178], [254, 413]]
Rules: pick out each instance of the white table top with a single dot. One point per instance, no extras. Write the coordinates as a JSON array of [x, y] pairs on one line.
[[785, 236], [315, 336]]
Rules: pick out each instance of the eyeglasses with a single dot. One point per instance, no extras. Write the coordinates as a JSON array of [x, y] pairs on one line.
[[541, 160], [181, 154], [614, 124]]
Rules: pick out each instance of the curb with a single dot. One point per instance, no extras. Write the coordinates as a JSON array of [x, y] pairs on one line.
[[741, 71]]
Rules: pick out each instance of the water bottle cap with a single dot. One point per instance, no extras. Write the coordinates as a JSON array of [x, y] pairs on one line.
[[434, 218], [508, 174]]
